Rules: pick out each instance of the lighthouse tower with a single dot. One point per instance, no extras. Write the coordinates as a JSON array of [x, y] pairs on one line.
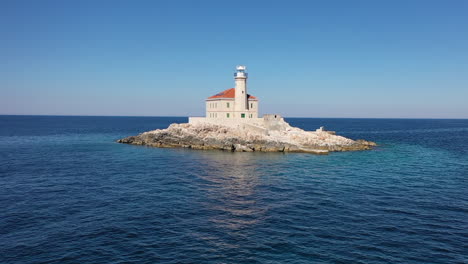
[[241, 104]]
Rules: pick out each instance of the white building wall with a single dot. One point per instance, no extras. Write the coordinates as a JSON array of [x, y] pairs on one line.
[[253, 108], [220, 108], [225, 108]]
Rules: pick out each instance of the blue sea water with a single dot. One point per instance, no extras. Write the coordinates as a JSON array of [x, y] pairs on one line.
[[70, 194]]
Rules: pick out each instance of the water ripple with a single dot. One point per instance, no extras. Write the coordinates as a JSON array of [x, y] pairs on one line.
[[72, 195]]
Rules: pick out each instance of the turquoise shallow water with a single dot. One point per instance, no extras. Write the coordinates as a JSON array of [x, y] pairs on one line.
[[70, 194]]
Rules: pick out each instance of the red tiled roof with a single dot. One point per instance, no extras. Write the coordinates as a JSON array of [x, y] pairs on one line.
[[230, 93]]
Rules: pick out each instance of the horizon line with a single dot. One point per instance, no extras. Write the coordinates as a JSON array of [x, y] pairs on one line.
[[455, 118]]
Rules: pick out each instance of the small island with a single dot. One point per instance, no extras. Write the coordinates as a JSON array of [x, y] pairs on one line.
[[232, 124]]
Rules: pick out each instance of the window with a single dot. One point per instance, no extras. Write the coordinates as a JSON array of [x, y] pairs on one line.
[[227, 105], [251, 105], [243, 115], [227, 115]]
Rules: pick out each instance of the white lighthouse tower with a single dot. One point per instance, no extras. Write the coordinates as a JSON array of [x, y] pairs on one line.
[[241, 104]]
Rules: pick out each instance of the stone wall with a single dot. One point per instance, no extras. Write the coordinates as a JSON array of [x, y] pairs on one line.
[[231, 122], [274, 122], [268, 122]]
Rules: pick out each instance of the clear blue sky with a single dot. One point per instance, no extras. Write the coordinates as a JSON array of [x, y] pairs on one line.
[[305, 58]]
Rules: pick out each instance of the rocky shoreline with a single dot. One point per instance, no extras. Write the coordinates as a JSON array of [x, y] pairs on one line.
[[283, 138]]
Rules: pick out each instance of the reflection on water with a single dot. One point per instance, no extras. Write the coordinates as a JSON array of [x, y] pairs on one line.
[[230, 182]]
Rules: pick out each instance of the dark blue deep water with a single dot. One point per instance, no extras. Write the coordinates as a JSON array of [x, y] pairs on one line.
[[70, 194]]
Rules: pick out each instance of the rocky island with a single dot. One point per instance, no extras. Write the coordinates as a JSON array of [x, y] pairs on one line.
[[275, 135], [232, 123]]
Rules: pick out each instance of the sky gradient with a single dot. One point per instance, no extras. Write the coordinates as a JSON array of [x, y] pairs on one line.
[[391, 59]]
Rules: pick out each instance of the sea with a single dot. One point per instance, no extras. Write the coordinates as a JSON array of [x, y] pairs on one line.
[[70, 194]]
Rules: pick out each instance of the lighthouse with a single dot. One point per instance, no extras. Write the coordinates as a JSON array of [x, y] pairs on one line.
[[240, 76], [233, 105]]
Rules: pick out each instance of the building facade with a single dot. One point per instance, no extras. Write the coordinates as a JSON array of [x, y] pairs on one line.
[[234, 103]]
